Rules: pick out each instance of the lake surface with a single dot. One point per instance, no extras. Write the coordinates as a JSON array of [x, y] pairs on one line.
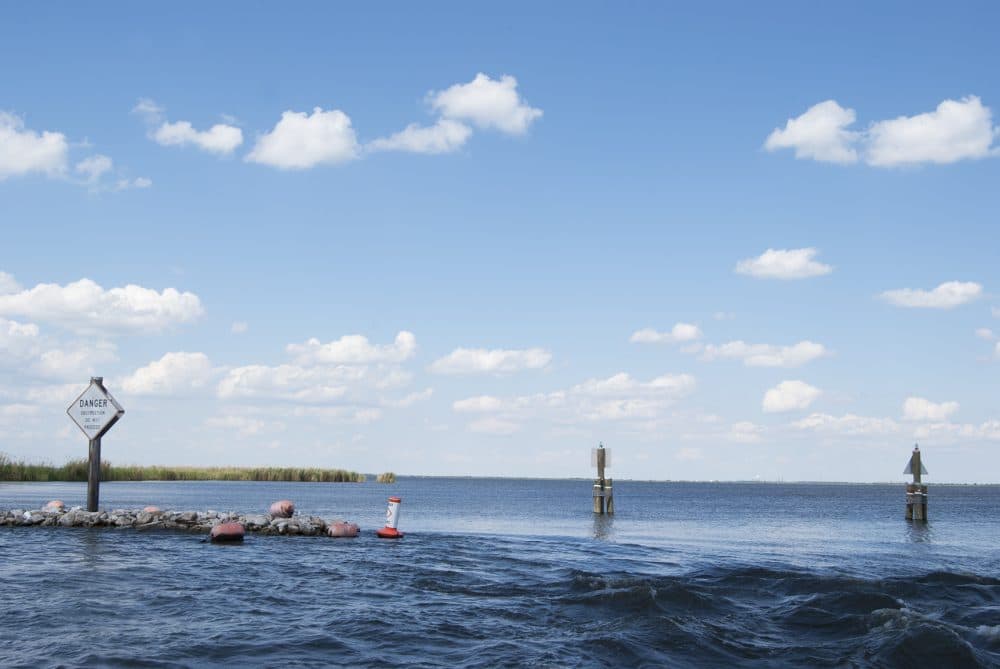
[[496, 572]]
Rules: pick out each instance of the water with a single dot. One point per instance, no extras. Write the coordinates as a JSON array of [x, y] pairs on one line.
[[514, 573]]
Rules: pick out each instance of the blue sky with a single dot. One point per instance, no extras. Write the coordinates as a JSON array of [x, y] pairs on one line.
[[511, 234]]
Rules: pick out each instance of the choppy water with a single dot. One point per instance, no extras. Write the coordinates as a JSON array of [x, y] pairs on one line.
[[513, 573]]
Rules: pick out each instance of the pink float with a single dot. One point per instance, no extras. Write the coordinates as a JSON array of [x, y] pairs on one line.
[[224, 532], [343, 529], [54, 505], [152, 509], [282, 509]]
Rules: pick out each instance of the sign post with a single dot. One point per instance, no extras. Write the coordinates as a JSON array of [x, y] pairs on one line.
[[94, 412]]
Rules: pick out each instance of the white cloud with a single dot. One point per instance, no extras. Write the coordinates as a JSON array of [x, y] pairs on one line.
[[409, 400], [173, 374], [848, 424], [444, 136], [245, 426], [956, 130], [790, 396], [766, 355], [25, 351], [148, 108], [289, 382], [995, 311], [688, 454], [495, 361], [354, 349], [946, 296], [25, 151], [94, 167], [220, 138], [996, 350], [918, 408], [942, 431], [783, 264], [681, 332], [8, 285], [492, 425], [86, 307], [820, 133], [745, 432], [128, 184], [480, 404], [985, 333], [239, 327], [486, 103], [617, 398], [300, 141]]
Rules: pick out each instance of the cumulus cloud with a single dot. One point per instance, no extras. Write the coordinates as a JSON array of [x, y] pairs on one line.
[[94, 167], [8, 285], [25, 351], [783, 264], [848, 424], [486, 103], [619, 398], [300, 141], [445, 136], [766, 355], [289, 382], [172, 374], [985, 333], [681, 332], [354, 349], [495, 361], [745, 432], [24, 151], [955, 130], [820, 134], [239, 327], [790, 396], [220, 138], [84, 306], [918, 408], [946, 296]]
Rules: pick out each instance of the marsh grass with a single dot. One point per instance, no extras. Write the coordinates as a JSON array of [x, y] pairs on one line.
[[76, 470]]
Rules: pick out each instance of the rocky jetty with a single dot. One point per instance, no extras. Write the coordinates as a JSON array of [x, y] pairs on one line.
[[186, 521]]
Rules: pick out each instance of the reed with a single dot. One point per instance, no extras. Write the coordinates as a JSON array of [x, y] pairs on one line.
[[76, 470], [386, 477]]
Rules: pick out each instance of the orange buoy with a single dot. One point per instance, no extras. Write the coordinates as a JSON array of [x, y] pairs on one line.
[[54, 505], [342, 529], [391, 520], [282, 509], [227, 532]]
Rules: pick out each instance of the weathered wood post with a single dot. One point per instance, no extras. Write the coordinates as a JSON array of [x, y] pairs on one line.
[[94, 412], [604, 501], [916, 492]]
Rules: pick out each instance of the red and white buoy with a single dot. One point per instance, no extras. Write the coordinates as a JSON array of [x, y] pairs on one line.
[[391, 520]]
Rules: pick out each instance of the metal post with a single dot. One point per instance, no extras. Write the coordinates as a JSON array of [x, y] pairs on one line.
[[94, 475]]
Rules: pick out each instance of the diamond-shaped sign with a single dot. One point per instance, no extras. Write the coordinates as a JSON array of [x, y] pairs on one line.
[[95, 411]]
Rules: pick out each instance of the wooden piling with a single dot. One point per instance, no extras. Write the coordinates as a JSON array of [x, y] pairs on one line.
[[94, 475], [604, 501]]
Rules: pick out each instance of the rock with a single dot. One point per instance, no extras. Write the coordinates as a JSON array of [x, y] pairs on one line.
[[54, 505], [227, 532], [257, 521], [341, 529], [143, 517], [282, 509], [68, 519], [188, 517]]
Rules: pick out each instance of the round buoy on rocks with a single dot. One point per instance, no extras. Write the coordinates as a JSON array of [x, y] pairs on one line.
[[224, 532], [282, 509], [342, 529], [152, 509], [54, 505]]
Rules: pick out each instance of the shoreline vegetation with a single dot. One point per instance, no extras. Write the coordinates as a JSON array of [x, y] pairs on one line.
[[76, 471]]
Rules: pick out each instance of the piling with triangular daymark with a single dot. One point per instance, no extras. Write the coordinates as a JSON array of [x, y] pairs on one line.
[[916, 492], [604, 501]]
